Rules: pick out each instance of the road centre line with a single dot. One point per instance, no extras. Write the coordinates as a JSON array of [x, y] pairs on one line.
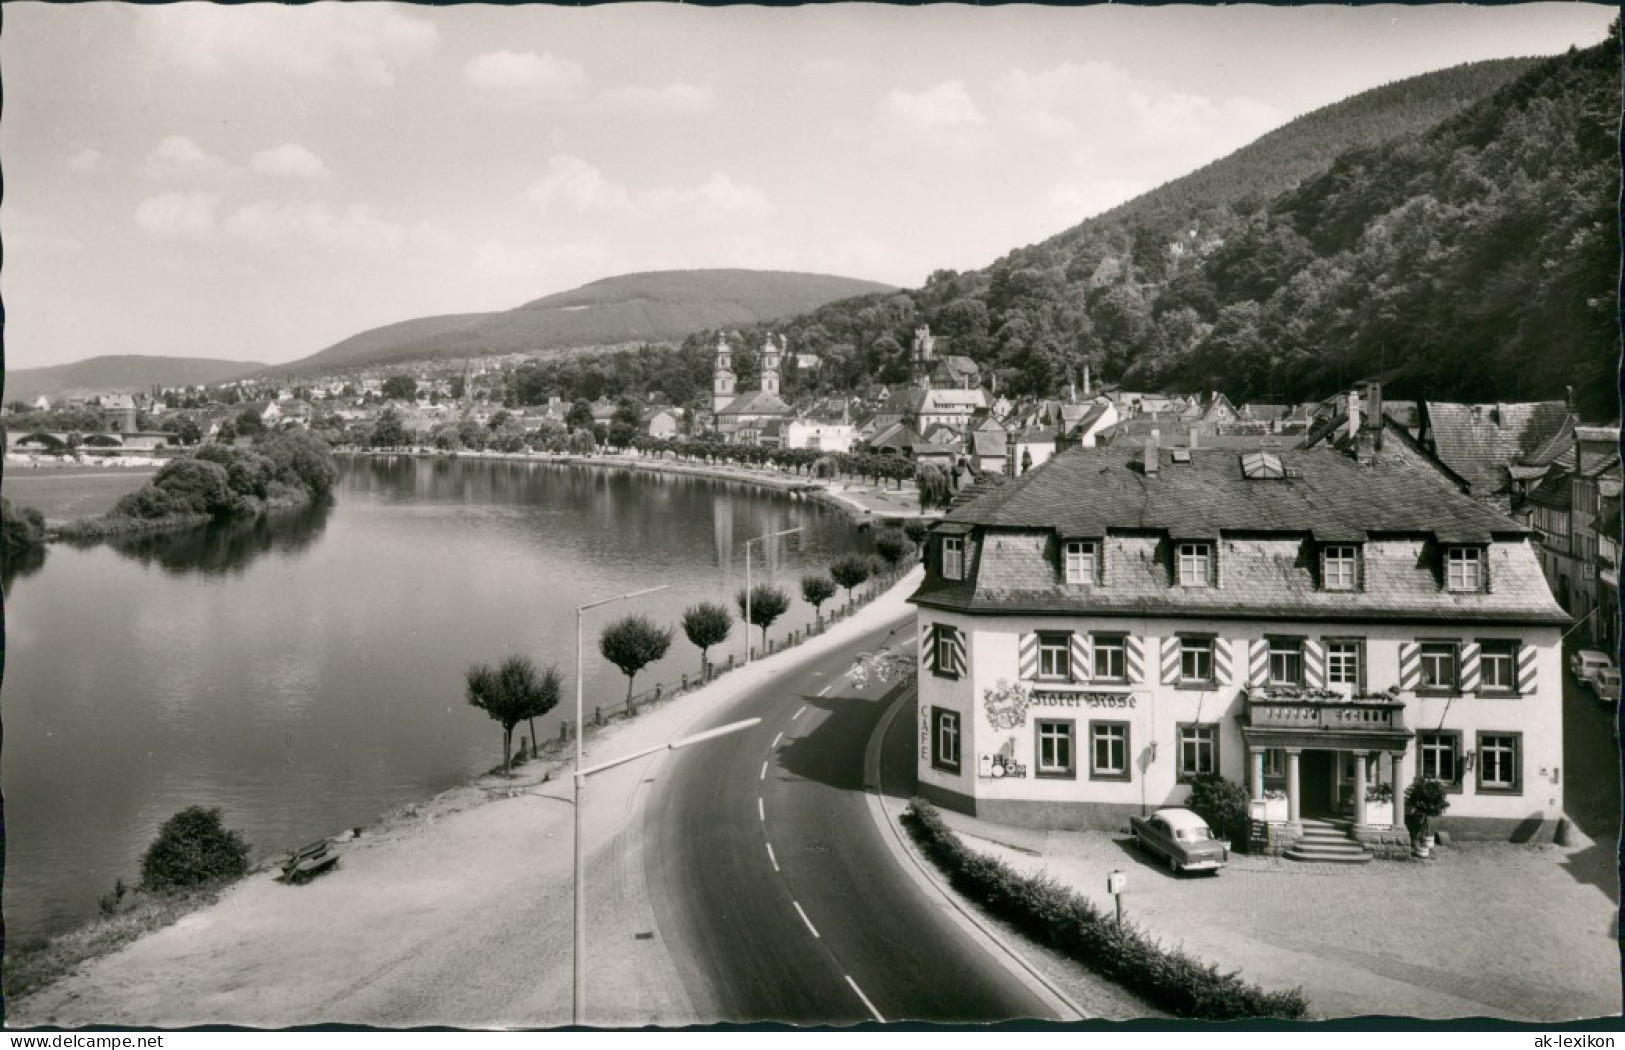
[[810, 926], [761, 813], [777, 739], [825, 691], [763, 774], [771, 858], [798, 714], [865, 999]]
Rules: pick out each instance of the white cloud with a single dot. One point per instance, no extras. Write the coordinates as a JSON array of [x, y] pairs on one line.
[[178, 157], [514, 76], [1103, 103], [672, 99], [574, 187], [86, 160], [946, 105], [178, 216], [363, 43], [289, 161], [282, 224]]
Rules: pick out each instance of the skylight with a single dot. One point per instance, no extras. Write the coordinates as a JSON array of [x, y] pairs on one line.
[[1259, 466]]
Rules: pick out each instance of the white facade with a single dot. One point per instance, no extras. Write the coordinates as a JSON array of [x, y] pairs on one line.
[[825, 437], [1000, 705]]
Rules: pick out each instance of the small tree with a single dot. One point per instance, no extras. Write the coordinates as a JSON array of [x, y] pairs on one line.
[[936, 489], [192, 848], [707, 624], [1222, 803], [490, 690], [816, 590], [537, 691], [400, 388], [1425, 799], [892, 545], [767, 604], [850, 571], [633, 643]]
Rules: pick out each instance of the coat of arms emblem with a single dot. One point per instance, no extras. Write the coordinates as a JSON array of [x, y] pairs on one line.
[[1006, 704]]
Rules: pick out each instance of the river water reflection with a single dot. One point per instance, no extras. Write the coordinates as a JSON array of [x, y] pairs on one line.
[[306, 674]]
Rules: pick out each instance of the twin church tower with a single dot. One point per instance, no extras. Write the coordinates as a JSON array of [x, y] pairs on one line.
[[723, 379]]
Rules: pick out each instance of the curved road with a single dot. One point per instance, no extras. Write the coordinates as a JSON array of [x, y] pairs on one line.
[[772, 885]]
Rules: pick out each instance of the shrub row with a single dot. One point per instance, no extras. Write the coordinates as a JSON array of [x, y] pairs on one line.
[[1053, 914]]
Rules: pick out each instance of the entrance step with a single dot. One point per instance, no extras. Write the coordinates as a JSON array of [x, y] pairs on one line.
[[1328, 841]]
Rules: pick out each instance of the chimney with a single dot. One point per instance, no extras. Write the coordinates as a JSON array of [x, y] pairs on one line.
[[1071, 392], [1086, 379], [1195, 437], [1151, 458], [1354, 415], [1373, 406]]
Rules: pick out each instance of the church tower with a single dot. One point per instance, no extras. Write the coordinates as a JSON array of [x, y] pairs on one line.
[[922, 362], [722, 381], [770, 366]]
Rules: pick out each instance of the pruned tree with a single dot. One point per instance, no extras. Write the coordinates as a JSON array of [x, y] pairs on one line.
[[707, 624], [537, 691], [489, 690], [816, 590], [850, 570], [767, 604], [633, 643], [892, 545]]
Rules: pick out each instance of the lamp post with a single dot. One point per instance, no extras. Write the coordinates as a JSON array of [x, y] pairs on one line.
[[756, 539], [580, 900], [578, 1010]]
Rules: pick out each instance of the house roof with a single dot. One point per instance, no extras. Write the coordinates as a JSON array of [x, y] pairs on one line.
[[898, 435], [1333, 497], [988, 442], [1263, 532], [755, 403], [1480, 441]]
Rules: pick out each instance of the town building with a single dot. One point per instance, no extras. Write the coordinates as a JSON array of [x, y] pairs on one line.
[[1098, 632], [744, 419], [1482, 442], [1573, 505], [822, 430]]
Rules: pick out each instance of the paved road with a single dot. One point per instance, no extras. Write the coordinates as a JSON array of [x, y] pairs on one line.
[[1591, 753], [774, 889]]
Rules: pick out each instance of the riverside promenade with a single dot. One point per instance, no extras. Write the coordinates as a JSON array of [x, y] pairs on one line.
[[453, 912]]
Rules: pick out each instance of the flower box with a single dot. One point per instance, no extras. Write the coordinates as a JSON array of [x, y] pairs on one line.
[[1379, 814]]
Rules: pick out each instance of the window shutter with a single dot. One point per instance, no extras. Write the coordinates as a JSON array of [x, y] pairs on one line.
[[928, 648], [1221, 661], [956, 644], [1170, 661], [1470, 674], [1526, 669], [1410, 665], [1083, 657], [1314, 664], [1258, 662], [1027, 662], [1134, 659]]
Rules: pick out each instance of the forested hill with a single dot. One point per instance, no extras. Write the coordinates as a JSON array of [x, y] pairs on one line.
[[128, 373], [634, 308], [1471, 257]]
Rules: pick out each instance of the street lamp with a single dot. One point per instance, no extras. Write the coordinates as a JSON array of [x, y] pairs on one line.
[[756, 539], [579, 1007], [580, 911]]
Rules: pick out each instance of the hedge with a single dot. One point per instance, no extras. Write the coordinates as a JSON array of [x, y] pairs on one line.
[[1053, 914]]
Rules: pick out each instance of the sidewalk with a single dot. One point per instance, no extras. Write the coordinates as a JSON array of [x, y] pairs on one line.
[[457, 912], [1483, 930]]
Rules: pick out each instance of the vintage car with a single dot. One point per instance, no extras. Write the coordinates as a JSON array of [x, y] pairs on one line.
[[1587, 662], [1182, 838], [1605, 683]]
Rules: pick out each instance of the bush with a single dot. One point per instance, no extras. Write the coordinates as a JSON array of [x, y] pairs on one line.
[[193, 848], [891, 545], [1222, 803], [22, 529], [850, 571], [1052, 914]]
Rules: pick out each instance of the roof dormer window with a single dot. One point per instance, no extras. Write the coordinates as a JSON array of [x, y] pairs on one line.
[[1464, 569], [1079, 557], [1194, 564], [1338, 567], [953, 557]]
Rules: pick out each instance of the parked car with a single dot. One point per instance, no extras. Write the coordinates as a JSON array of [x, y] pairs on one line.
[[1587, 662], [1605, 683], [1182, 838]]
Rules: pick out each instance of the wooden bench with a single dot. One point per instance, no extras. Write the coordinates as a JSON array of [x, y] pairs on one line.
[[307, 861]]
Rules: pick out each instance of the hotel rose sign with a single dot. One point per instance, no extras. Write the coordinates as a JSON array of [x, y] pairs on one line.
[[1319, 628]]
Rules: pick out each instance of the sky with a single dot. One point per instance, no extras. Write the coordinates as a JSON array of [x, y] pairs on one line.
[[257, 182]]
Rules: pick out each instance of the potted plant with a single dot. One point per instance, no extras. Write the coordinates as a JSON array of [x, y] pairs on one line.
[[1424, 800], [1379, 805]]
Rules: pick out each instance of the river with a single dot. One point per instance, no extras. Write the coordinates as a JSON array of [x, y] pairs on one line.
[[305, 673]]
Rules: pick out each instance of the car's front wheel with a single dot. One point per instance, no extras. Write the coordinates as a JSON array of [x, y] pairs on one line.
[[1173, 865]]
